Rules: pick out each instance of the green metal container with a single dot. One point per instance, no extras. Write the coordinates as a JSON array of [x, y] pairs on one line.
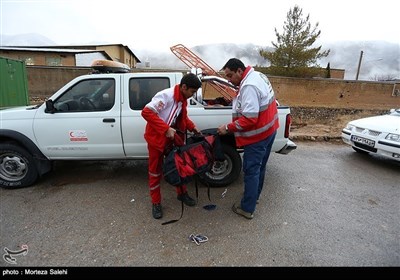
[[13, 83]]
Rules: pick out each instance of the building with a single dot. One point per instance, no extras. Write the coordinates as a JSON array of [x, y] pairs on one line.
[[33, 56], [81, 55], [117, 52]]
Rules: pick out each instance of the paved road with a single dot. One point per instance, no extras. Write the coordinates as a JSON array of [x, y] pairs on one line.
[[323, 205]]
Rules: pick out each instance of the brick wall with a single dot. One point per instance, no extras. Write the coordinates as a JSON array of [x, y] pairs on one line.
[[294, 92], [45, 81], [336, 93], [39, 58], [297, 92]]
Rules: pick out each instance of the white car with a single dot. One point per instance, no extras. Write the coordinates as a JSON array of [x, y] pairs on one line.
[[379, 135]]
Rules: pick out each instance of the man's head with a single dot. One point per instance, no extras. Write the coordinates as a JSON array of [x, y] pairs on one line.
[[234, 69], [189, 85]]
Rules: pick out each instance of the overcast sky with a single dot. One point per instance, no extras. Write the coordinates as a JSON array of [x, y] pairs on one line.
[[160, 24]]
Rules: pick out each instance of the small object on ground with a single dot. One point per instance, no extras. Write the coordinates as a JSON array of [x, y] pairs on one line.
[[224, 193], [199, 238], [210, 207]]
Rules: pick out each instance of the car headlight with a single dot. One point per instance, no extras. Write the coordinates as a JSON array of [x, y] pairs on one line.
[[350, 127], [393, 137]]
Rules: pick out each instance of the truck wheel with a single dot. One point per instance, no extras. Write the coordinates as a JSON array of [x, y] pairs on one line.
[[17, 167], [225, 172]]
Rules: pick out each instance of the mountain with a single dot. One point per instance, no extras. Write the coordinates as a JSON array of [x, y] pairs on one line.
[[214, 55], [380, 59], [28, 39]]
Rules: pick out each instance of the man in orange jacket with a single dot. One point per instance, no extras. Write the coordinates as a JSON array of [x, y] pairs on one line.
[[166, 114], [254, 123]]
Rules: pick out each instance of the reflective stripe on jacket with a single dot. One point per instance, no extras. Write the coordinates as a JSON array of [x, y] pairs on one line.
[[254, 110]]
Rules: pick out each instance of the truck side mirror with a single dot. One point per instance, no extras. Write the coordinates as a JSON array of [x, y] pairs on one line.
[[50, 107], [198, 96]]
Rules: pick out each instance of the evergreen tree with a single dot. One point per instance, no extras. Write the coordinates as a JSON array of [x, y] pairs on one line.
[[293, 53]]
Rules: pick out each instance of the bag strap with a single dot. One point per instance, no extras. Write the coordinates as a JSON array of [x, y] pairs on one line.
[[183, 207], [208, 191], [197, 188]]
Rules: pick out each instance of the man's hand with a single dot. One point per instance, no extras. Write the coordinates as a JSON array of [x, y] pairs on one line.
[[221, 130], [196, 130], [170, 133]]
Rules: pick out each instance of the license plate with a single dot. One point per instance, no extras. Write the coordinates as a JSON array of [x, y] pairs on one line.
[[362, 140]]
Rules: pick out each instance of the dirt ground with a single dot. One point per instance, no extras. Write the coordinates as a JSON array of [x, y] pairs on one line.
[[326, 124], [319, 117]]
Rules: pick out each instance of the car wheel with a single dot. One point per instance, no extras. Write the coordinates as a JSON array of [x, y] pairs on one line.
[[224, 172], [17, 167], [360, 151]]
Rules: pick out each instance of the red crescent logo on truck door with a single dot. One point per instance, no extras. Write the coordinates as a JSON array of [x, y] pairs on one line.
[[77, 135]]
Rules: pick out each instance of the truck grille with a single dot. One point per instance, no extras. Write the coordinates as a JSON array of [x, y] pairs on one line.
[[369, 132]]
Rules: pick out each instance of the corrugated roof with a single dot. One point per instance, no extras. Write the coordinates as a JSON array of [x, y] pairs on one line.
[[56, 50], [49, 50], [82, 46]]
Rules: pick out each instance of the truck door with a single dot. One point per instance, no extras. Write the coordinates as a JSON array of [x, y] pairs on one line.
[[139, 90], [85, 123]]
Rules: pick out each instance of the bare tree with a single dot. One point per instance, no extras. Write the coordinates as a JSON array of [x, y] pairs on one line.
[[388, 77]]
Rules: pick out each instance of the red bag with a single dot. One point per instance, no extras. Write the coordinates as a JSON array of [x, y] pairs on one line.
[[183, 162]]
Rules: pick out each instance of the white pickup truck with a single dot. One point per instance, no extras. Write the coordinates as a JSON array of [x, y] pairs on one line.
[[98, 117]]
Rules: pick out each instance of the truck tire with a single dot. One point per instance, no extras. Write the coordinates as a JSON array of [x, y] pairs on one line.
[[17, 167], [226, 172]]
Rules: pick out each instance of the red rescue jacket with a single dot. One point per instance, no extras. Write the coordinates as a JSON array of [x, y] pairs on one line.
[[168, 108]]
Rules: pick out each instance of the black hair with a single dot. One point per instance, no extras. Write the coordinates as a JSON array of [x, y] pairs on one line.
[[234, 64], [191, 81]]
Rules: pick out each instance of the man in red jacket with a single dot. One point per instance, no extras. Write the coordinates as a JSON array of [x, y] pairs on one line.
[[254, 124], [165, 114]]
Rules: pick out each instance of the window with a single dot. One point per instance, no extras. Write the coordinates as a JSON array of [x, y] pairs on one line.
[[53, 61], [87, 95], [28, 60], [142, 90]]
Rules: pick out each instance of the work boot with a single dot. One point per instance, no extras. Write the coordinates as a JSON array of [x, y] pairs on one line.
[[238, 210], [186, 199], [157, 211]]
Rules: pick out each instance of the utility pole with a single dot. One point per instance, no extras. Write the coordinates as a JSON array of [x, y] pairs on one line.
[[359, 65]]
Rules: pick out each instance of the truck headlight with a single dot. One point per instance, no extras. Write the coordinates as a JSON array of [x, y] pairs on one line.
[[393, 137], [350, 127]]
